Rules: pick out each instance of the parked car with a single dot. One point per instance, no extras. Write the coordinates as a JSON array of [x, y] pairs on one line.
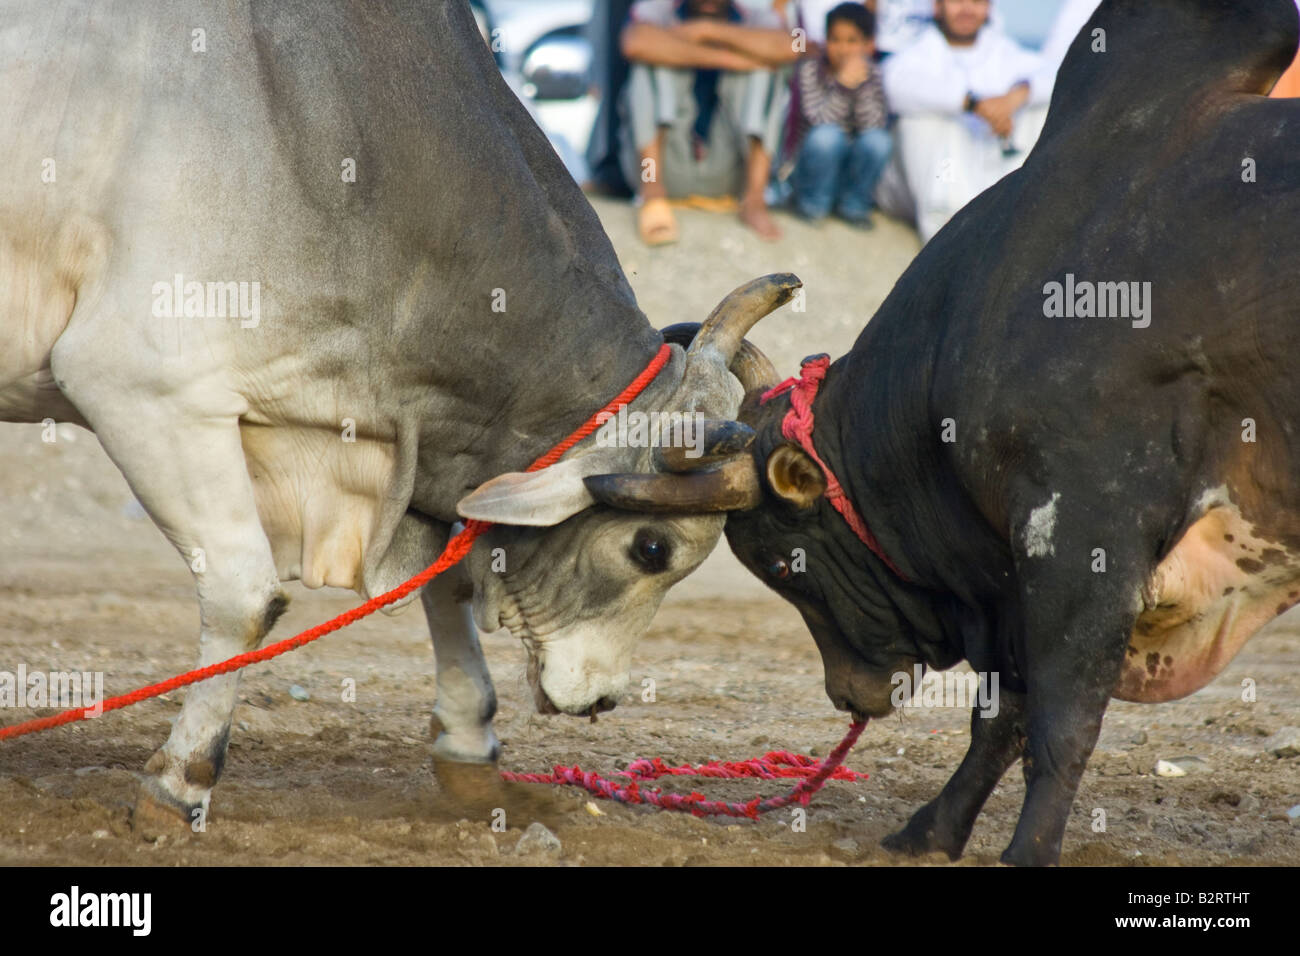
[[545, 56]]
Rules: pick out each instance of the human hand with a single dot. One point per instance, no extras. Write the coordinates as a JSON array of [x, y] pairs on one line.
[[853, 73], [999, 112], [697, 30]]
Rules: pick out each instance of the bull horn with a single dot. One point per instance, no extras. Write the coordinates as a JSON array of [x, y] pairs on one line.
[[725, 328], [754, 369], [731, 486], [716, 440]]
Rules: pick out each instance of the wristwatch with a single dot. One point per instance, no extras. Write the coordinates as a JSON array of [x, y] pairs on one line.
[[972, 103]]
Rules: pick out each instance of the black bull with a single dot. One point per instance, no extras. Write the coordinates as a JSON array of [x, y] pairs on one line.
[[1087, 506]]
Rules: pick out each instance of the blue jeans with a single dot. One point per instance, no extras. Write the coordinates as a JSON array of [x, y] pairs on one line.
[[840, 169]]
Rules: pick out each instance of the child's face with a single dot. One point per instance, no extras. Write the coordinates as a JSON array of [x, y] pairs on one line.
[[844, 42]]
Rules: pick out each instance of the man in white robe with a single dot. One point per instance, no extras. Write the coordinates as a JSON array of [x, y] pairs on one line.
[[971, 104]]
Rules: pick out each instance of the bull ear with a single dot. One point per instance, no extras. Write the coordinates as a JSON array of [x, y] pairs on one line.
[[538, 499], [793, 475]]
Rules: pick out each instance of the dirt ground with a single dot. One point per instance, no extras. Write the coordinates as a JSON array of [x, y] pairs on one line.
[[87, 583]]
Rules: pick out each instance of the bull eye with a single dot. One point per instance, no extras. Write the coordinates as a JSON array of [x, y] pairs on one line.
[[650, 550], [778, 569]]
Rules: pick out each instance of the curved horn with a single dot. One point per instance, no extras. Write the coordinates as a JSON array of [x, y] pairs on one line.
[[726, 326], [713, 441], [754, 369], [733, 486]]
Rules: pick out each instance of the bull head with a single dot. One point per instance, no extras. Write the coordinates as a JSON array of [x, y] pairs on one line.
[[762, 533], [666, 509]]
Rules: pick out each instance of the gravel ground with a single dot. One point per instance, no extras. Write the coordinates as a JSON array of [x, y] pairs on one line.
[[86, 581]]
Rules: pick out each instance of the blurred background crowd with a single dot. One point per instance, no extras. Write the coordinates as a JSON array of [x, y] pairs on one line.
[[815, 107]]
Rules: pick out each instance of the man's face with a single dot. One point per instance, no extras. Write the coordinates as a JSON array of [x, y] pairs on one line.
[[707, 9], [961, 20], [845, 42]]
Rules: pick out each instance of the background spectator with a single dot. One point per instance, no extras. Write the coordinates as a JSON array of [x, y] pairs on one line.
[[900, 23], [810, 16], [961, 92], [844, 140], [703, 108], [609, 75]]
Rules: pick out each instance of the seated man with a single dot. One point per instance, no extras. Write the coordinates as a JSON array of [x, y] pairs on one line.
[[843, 118], [703, 108], [899, 23], [961, 92]]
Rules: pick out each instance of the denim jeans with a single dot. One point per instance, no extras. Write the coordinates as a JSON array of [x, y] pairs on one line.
[[839, 169]]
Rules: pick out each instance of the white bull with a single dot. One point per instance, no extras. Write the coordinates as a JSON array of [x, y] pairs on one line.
[[312, 276]]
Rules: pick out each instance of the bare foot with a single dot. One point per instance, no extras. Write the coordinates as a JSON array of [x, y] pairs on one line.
[[754, 214], [656, 223]]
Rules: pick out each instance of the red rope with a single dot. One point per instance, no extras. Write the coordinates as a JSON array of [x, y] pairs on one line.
[[769, 766], [456, 548]]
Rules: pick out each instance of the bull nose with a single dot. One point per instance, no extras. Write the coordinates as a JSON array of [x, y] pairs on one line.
[[547, 706], [599, 707], [543, 702], [859, 715]]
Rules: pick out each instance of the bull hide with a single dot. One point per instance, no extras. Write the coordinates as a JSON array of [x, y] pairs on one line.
[[315, 279], [1072, 426]]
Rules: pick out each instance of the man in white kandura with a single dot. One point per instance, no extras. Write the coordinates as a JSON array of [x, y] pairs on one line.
[[970, 103]]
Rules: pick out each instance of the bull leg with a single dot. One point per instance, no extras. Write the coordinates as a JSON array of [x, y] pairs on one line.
[[1062, 733], [1076, 627], [185, 463], [465, 748], [467, 702], [945, 823], [199, 493]]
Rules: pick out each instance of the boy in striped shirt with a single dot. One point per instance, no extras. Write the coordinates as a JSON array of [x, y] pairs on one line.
[[842, 113]]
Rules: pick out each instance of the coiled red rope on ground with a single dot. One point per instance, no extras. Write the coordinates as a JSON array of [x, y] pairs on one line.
[[766, 767], [772, 765]]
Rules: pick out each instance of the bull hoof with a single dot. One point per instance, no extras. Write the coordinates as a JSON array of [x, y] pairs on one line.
[[1033, 856], [470, 785], [923, 835], [156, 814], [476, 789]]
